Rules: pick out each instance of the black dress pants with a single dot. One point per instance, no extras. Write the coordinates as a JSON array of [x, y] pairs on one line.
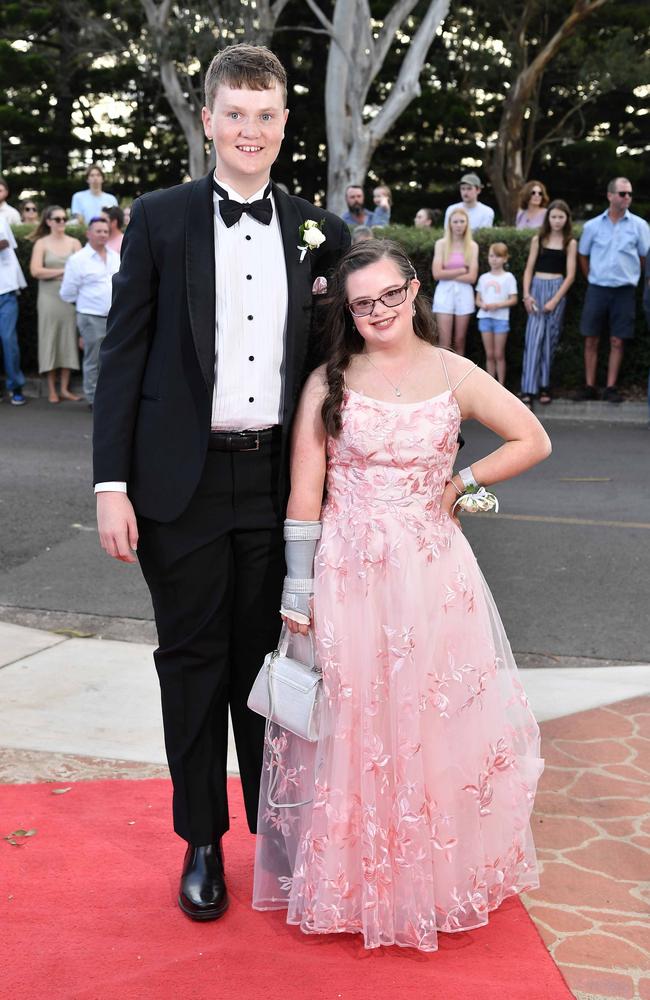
[[215, 577]]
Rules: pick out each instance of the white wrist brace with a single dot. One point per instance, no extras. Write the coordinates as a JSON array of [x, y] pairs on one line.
[[300, 539], [467, 477]]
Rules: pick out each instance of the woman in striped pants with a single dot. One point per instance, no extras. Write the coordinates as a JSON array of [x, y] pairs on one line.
[[550, 272]]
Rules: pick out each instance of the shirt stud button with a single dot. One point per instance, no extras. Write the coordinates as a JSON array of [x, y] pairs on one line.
[[249, 317], [248, 277], [249, 237], [251, 399], [251, 357]]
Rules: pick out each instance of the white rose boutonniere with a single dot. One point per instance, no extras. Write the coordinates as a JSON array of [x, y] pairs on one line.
[[311, 235]]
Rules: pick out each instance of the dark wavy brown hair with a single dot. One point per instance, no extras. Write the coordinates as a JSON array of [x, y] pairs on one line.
[[527, 190], [342, 337], [567, 229]]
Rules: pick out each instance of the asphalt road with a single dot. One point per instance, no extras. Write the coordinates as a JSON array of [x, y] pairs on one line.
[[567, 558]]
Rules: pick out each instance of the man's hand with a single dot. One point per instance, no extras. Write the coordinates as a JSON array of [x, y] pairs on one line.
[[118, 528]]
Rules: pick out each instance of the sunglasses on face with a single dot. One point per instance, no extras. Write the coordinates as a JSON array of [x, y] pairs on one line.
[[623, 194], [58, 218], [393, 297], [535, 191], [30, 208]]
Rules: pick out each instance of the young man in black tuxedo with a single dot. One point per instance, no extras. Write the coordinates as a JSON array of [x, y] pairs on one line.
[[200, 372]]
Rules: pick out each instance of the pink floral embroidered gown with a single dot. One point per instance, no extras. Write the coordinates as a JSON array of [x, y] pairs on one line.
[[423, 778]]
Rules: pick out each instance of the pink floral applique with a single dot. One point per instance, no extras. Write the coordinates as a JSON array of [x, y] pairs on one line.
[[420, 788]]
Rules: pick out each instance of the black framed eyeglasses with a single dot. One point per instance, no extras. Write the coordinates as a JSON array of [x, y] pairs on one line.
[[393, 297]]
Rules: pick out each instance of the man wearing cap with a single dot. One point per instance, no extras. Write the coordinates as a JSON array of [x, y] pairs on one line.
[[480, 216]]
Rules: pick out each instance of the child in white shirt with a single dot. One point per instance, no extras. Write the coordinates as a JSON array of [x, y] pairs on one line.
[[496, 292]]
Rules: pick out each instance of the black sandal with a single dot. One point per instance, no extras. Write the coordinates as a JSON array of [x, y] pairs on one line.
[[545, 397]]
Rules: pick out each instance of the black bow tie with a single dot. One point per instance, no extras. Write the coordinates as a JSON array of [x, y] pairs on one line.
[[231, 211]]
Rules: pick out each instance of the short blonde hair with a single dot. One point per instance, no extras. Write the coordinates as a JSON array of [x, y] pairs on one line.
[[244, 67]]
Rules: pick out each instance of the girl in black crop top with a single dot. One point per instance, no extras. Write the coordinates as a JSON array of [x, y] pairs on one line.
[[550, 272]]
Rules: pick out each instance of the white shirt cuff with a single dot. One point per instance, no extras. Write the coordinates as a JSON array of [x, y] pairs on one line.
[[110, 487]]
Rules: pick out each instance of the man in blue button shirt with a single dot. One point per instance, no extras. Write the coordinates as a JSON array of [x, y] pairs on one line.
[[612, 251]]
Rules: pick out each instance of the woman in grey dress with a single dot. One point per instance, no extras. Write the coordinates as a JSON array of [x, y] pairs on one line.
[[57, 326]]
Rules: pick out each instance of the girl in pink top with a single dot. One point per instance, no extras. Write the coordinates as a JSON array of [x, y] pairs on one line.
[[455, 268]]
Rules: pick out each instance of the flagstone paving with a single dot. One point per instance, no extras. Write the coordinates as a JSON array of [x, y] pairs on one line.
[[592, 831]]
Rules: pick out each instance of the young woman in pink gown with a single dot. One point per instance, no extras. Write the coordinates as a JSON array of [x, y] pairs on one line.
[[412, 808]]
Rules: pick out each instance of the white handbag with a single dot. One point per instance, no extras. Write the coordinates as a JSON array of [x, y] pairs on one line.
[[287, 691]]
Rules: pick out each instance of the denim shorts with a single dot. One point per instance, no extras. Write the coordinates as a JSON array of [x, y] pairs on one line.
[[487, 324], [608, 308]]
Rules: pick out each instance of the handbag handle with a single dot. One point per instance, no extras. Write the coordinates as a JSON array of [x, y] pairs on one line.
[[285, 639]]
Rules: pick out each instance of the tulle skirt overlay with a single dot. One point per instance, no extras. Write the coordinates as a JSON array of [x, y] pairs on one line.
[[415, 801]]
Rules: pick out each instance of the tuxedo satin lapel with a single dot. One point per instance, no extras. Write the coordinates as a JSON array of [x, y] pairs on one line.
[[299, 283], [199, 269]]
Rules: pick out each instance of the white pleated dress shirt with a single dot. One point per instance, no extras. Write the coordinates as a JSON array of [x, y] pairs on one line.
[[251, 304], [250, 320]]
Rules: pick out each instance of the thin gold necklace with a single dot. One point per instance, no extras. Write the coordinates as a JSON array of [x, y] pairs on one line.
[[394, 385]]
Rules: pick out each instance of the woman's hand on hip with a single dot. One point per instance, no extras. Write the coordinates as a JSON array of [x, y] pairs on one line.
[[449, 498]]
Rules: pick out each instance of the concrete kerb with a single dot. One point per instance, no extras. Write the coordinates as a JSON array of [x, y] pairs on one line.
[[629, 412], [594, 411]]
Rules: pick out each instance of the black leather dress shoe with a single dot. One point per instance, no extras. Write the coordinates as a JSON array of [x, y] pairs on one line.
[[203, 893]]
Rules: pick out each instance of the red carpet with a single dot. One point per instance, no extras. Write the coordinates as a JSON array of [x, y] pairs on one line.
[[89, 913]]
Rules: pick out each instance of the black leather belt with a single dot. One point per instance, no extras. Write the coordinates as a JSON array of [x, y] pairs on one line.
[[242, 440]]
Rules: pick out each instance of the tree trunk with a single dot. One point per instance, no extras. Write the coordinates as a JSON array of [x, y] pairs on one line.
[[505, 164], [355, 59], [258, 23], [188, 117]]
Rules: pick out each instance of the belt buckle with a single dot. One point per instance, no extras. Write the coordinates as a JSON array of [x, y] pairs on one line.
[[256, 447]]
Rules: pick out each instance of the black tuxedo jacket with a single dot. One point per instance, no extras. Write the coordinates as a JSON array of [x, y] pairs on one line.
[[153, 401]]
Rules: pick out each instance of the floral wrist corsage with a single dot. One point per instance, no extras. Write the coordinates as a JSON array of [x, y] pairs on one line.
[[476, 498], [311, 235]]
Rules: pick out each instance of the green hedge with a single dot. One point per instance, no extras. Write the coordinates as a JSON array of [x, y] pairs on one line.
[[568, 369]]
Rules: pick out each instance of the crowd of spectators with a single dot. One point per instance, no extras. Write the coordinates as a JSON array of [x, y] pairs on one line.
[[612, 253], [74, 283]]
